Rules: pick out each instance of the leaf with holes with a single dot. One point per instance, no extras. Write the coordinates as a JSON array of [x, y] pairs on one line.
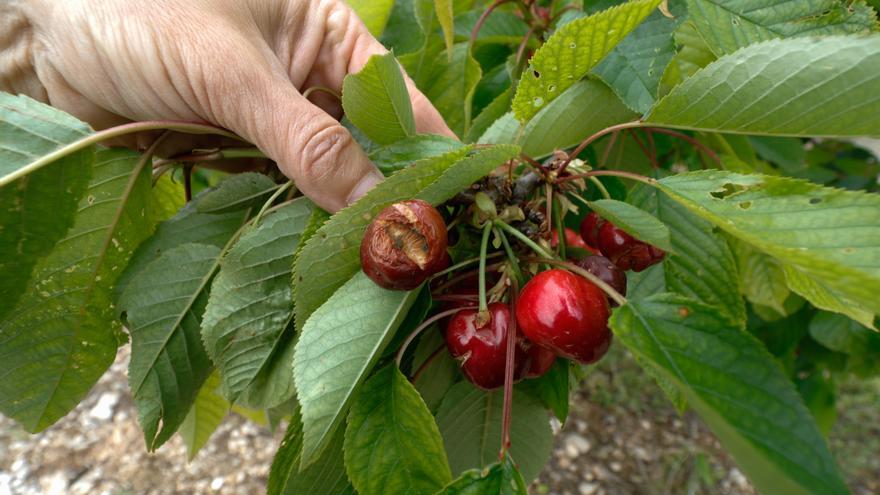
[[247, 327], [794, 87], [164, 306], [337, 348], [572, 51], [728, 25], [377, 102], [830, 236], [736, 386], [470, 422], [62, 335], [392, 445]]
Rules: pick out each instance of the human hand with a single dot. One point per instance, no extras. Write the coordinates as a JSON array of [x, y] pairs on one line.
[[237, 64]]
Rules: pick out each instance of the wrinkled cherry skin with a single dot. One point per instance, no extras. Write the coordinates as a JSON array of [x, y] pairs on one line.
[[571, 239], [566, 314], [541, 360], [607, 272], [404, 245], [482, 352], [625, 251]]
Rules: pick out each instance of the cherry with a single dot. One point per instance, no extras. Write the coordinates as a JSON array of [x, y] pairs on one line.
[[566, 314], [590, 229], [572, 239], [482, 351], [541, 360], [607, 272], [625, 251]]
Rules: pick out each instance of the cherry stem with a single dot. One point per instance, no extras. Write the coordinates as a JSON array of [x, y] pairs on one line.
[[645, 150], [268, 204], [613, 294], [484, 245], [425, 324], [586, 142], [608, 149], [612, 173], [560, 229], [534, 163], [508, 372], [462, 264], [694, 142], [521, 50], [482, 20], [598, 183], [523, 238], [111, 133], [465, 275], [427, 363], [514, 261]]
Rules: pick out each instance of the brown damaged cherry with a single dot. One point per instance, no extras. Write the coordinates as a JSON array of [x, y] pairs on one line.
[[404, 245]]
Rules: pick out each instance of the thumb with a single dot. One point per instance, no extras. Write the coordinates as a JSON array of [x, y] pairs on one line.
[[310, 146]]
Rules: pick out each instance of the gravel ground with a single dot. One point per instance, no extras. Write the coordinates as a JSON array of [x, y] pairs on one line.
[[622, 438]]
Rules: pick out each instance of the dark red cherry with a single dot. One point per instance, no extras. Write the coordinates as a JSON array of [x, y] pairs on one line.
[[590, 229], [572, 239], [625, 251], [607, 272], [482, 351], [541, 360], [566, 314]]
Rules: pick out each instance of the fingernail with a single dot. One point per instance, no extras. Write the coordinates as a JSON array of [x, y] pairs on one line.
[[368, 182]]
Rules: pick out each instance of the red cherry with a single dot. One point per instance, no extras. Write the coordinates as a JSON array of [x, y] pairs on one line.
[[566, 314], [625, 251], [607, 272], [482, 351], [540, 360], [590, 229], [571, 239]]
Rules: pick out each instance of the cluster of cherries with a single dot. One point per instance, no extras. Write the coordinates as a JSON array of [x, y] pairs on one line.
[[558, 313]]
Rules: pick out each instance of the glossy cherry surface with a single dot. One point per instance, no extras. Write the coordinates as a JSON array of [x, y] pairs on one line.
[[607, 272], [572, 239], [625, 251], [541, 360], [590, 229], [482, 351], [566, 314]]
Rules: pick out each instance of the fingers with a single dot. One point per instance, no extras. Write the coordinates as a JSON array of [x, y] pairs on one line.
[[309, 145]]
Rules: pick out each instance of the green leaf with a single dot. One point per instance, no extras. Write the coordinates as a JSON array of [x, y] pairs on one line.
[[374, 13], [164, 306], [822, 297], [497, 479], [470, 422], [499, 28], [403, 153], [634, 221], [331, 257], [693, 54], [204, 417], [494, 111], [728, 25], [645, 283], [247, 327], [703, 266], [572, 51], [166, 199], [62, 335], [240, 191], [634, 67], [552, 388], [440, 374], [450, 84], [392, 444], [846, 336], [327, 475], [337, 348], [376, 100], [445, 15], [582, 110], [187, 226], [38, 209], [761, 278], [738, 389], [828, 235], [794, 87]]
